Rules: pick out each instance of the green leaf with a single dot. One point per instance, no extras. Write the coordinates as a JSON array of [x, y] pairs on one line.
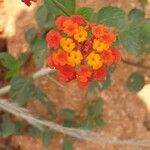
[[131, 41], [35, 132], [12, 64], [91, 90], [106, 83], [136, 15], [67, 145], [86, 124], [86, 12], [112, 16], [99, 121], [39, 49], [135, 82], [22, 90], [7, 128], [47, 137], [145, 32], [44, 18], [30, 34], [95, 108], [68, 114], [60, 7], [18, 128]]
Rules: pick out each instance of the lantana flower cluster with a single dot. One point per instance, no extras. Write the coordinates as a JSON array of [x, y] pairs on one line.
[[80, 50]]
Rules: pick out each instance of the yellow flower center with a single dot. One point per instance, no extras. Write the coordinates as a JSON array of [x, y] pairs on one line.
[[94, 60], [67, 44], [75, 58], [80, 34], [99, 45]]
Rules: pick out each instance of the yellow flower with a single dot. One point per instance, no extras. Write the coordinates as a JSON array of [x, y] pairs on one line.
[[75, 58], [80, 34], [67, 44], [94, 60], [99, 45]]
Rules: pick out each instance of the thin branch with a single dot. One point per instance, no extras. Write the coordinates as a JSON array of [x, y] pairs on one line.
[[38, 74], [76, 133], [135, 64]]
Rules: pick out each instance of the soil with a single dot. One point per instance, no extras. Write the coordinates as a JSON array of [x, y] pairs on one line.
[[126, 115]]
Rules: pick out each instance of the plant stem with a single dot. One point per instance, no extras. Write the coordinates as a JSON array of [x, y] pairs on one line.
[[135, 64]]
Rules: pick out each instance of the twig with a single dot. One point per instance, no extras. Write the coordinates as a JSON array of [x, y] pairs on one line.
[[38, 74], [135, 64], [77, 133]]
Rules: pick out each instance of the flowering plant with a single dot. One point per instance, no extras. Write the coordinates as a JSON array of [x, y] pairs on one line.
[[81, 50]]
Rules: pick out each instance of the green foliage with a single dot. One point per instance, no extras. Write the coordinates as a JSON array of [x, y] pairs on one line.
[[12, 64], [98, 86], [60, 7], [99, 121], [86, 12], [67, 145], [22, 90], [106, 83], [112, 16], [131, 41], [135, 82], [136, 15], [46, 136], [8, 128], [95, 108], [30, 34], [86, 123], [39, 50], [68, 114], [44, 19]]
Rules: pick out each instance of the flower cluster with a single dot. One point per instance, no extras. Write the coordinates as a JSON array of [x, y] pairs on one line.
[[81, 50]]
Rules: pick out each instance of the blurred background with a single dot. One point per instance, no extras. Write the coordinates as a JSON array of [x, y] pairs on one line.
[[127, 115]]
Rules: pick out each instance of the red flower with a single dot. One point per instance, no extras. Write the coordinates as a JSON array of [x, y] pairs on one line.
[[100, 74], [66, 73], [53, 39], [50, 62], [59, 22], [116, 55], [28, 2], [83, 76], [78, 19], [107, 57]]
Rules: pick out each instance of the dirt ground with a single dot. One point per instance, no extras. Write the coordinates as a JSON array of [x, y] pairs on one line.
[[126, 114]]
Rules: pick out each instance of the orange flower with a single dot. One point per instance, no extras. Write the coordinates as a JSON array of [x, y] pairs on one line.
[[83, 75], [59, 22], [107, 57], [109, 37], [69, 27], [100, 74], [60, 58], [78, 19], [53, 39], [116, 55], [98, 30], [28, 2], [66, 73]]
